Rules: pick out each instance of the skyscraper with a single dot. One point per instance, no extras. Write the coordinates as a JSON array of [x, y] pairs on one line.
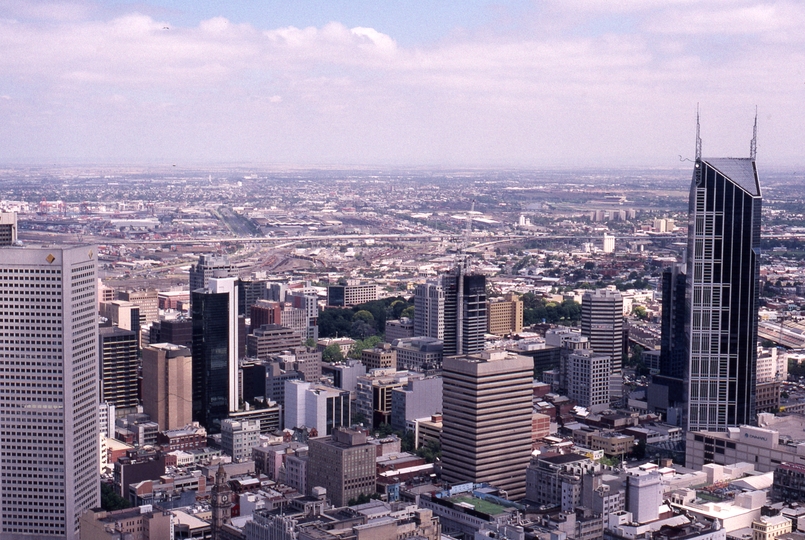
[[119, 368], [167, 385], [588, 376], [215, 352], [602, 323], [453, 309], [209, 266], [666, 393], [48, 390], [723, 268], [8, 228], [486, 433], [429, 310]]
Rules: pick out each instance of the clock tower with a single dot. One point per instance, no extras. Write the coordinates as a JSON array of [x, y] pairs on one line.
[[221, 502]]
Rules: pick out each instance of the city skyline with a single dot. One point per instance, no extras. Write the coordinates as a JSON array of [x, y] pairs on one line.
[[514, 84]]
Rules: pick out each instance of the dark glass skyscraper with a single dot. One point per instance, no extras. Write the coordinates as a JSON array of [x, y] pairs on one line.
[[454, 310], [667, 391], [722, 292], [215, 353]]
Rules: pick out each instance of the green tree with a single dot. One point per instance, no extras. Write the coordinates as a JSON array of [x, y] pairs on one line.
[[335, 322], [364, 315], [407, 441], [408, 312], [332, 353], [310, 342], [359, 418], [361, 329], [431, 451], [110, 500], [361, 344], [640, 312], [639, 450]]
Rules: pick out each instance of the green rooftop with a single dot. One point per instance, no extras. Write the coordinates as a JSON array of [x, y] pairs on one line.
[[480, 505]]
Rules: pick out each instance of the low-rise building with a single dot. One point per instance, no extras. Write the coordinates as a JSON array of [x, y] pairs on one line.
[[350, 295], [190, 437], [239, 437], [344, 343], [419, 353], [399, 329], [271, 339], [380, 357], [143, 523], [770, 527], [555, 480], [779, 440]]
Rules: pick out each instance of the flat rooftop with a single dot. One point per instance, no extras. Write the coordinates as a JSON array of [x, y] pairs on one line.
[[480, 505]]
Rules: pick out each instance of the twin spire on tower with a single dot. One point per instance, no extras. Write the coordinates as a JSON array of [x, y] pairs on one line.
[[752, 143]]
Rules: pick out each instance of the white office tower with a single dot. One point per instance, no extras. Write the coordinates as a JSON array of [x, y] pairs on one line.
[[429, 310], [49, 364], [602, 322], [644, 495], [609, 243], [588, 379]]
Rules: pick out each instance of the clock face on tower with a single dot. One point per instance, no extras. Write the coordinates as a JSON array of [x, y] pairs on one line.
[[224, 498]]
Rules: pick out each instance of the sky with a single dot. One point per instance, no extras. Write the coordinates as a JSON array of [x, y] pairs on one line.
[[470, 83]]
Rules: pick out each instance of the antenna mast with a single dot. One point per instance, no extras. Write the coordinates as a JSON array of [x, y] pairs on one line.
[[698, 136], [753, 142]]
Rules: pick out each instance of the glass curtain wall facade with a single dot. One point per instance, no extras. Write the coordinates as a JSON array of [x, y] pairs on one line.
[[210, 359], [722, 293]]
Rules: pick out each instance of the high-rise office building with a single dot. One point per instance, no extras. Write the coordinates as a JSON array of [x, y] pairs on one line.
[[722, 291], [123, 314], [146, 300], [429, 310], [119, 368], [310, 304], [168, 385], [209, 266], [176, 331], [266, 312], [453, 309], [487, 407], [250, 291], [351, 295], [343, 464], [666, 393], [270, 339], [48, 391], [215, 352], [316, 406], [602, 323], [505, 315], [8, 228], [588, 379]]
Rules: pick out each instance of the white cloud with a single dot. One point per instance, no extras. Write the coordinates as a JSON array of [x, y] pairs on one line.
[[356, 95]]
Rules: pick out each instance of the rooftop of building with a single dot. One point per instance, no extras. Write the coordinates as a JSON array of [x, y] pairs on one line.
[[739, 170], [479, 505], [561, 459]]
